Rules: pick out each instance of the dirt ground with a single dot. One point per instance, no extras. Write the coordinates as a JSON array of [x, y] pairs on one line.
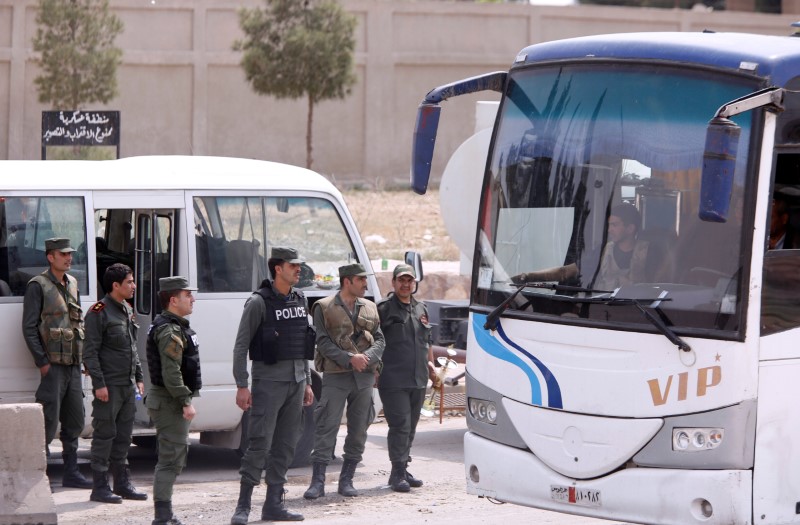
[[392, 222], [207, 491]]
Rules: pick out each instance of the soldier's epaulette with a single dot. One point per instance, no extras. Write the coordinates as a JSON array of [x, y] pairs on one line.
[[98, 307]]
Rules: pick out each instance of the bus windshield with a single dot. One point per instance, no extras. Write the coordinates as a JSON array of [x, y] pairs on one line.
[[593, 189]]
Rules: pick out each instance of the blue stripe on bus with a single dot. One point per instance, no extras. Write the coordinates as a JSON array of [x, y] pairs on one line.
[[494, 348]]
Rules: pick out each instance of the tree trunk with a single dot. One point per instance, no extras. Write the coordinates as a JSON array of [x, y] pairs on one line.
[[308, 131]]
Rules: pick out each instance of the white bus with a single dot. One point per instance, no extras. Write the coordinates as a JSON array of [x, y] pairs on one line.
[[672, 395], [211, 219]]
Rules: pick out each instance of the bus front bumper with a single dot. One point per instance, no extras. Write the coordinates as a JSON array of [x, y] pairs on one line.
[[640, 495]]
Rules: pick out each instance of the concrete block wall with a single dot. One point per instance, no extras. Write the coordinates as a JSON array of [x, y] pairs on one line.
[[182, 90]]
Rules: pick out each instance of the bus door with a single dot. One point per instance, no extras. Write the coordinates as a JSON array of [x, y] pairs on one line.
[[143, 238]]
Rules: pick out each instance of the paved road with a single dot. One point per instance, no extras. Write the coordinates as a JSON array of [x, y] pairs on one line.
[[208, 489]]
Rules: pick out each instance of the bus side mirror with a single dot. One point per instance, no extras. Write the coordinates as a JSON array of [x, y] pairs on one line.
[[719, 164], [414, 260], [422, 149]]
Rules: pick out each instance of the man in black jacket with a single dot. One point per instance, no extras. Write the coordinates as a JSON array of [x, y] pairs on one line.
[[274, 332]]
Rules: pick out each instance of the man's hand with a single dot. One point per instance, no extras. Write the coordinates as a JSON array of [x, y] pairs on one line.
[[101, 394], [43, 370], [359, 362], [308, 396], [432, 372], [244, 399], [189, 412], [140, 387]]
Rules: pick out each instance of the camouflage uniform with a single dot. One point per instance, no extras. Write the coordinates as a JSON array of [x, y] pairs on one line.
[[53, 330]]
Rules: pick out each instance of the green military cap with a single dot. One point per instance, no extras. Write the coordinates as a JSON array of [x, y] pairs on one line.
[[178, 282], [352, 270], [58, 243], [286, 254], [403, 269]]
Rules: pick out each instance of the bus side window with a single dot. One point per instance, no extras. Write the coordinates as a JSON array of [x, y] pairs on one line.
[[780, 309]]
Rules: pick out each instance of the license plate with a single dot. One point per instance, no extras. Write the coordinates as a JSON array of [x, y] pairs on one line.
[[575, 496]]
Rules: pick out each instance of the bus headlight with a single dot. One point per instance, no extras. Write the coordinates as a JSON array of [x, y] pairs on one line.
[[482, 410], [696, 439]]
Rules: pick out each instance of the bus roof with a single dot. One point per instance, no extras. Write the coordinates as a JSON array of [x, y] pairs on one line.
[[775, 58], [159, 173]]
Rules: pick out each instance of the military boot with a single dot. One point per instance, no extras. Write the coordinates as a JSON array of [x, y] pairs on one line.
[[346, 479], [397, 479], [122, 483], [164, 516], [273, 506], [412, 481], [100, 490], [317, 487], [72, 475], [242, 512]]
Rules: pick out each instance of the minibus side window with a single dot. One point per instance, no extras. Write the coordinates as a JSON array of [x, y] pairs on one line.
[[25, 224]]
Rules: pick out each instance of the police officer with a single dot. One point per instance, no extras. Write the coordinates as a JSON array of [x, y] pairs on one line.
[[173, 360], [274, 331], [407, 366], [52, 326], [349, 349], [110, 357]]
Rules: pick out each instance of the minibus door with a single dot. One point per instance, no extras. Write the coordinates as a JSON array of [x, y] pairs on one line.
[[154, 258]]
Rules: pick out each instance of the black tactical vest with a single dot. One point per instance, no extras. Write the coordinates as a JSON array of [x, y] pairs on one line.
[[190, 364], [284, 332]]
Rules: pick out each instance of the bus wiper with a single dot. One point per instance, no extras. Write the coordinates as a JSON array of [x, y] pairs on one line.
[[530, 279], [494, 316], [655, 321]]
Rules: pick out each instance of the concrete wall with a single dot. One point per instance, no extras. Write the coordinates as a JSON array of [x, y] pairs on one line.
[[183, 92]]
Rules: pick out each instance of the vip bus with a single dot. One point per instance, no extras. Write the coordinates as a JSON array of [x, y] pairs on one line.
[[671, 395], [211, 219]]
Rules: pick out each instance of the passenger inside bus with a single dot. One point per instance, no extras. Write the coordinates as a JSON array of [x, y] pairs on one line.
[[625, 256], [782, 234]]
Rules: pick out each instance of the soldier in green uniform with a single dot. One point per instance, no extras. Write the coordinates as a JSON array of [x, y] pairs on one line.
[[52, 325], [274, 331], [349, 349], [407, 366], [173, 360], [110, 357]]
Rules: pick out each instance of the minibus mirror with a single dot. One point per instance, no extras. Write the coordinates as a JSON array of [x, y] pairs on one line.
[[414, 260], [719, 164]]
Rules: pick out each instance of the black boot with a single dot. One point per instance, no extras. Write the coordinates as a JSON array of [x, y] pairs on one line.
[[122, 483], [397, 479], [317, 487], [164, 514], [242, 512], [346, 479], [273, 506], [412, 481], [72, 476], [100, 490]]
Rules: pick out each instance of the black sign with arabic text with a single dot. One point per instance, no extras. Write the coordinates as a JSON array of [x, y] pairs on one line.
[[80, 128]]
